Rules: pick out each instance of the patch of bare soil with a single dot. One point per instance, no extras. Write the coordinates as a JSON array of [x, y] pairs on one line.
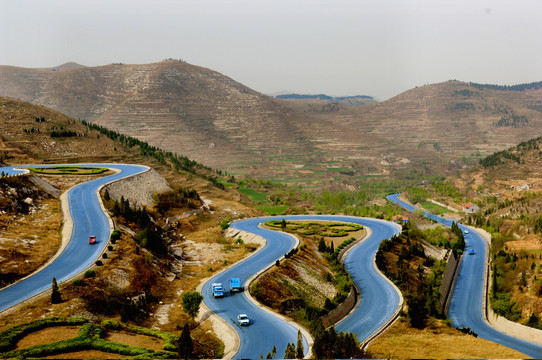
[[132, 339], [48, 335], [528, 244], [87, 354]]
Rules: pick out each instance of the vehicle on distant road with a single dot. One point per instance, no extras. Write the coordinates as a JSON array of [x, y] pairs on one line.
[[243, 320], [471, 252], [235, 285], [218, 290], [466, 231], [92, 240]]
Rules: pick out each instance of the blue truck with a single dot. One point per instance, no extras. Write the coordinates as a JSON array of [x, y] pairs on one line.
[[235, 285], [218, 290]]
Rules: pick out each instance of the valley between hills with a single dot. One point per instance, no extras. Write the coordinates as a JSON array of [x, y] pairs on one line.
[[424, 133]]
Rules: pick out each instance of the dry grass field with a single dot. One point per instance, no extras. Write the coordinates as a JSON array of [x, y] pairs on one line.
[[438, 341]]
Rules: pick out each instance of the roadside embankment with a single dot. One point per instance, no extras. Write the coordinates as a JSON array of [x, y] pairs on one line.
[[499, 322], [140, 189]]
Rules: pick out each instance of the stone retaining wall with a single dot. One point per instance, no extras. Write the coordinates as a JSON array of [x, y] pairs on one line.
[[448, 281], [337, 314], [139, 189]]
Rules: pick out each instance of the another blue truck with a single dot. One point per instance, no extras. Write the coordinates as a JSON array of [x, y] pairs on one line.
[[218, 290], [235, 285]]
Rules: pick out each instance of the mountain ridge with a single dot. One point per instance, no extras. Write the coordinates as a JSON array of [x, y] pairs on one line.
[[207, 116]]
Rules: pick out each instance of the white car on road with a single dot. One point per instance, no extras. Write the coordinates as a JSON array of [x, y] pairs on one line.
[[242, 319]]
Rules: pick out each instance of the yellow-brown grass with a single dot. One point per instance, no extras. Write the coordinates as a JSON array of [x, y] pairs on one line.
[[29, 241], [438, 341], [48, 335]]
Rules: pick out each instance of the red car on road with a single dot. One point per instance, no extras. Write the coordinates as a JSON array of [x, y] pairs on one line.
[[92, 240]]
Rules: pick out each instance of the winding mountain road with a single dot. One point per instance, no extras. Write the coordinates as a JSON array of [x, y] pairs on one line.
[[379, 299], [466, 305], [88, 219]]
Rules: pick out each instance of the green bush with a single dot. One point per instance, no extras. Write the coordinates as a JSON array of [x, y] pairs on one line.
[[224, 224], [78, 282], [115, 235], [89, 274]]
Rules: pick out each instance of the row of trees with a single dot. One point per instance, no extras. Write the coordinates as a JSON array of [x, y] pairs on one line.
[[519, 87], [402, 259], [497, 157], [167, 158]]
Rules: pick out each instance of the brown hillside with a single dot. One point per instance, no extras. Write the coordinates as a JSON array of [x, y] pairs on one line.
[[209, 117], [30, 222]]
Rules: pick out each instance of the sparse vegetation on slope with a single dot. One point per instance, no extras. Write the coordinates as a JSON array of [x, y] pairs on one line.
[[316, 143], [130, 281], [402, 259], [310, 282]]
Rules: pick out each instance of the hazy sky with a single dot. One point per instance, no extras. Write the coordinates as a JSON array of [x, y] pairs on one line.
[[337, 47]]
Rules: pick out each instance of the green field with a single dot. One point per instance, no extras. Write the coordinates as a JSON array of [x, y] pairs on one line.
[[433, 208], [273, 209], [68, 170], [256, 196]]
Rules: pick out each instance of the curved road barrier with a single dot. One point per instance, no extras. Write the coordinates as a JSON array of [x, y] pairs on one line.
[[466, 305]]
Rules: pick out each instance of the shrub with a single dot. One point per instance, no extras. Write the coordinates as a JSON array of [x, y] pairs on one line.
[[191, 302], [89, 273], [224, 224], [115, 235], [99, 263], [78, 282]]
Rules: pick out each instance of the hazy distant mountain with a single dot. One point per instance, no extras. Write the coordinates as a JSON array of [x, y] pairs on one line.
[[66, 66], [355, 100], [211, 118]]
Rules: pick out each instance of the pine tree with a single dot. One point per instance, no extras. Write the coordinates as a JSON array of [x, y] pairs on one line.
[[300, 351], [322, 245], [290, 351], [185, 347], [56, 298]]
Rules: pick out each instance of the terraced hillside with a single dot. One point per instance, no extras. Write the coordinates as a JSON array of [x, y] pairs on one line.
[[209, 117]]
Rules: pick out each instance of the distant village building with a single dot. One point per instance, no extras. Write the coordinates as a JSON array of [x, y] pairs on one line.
[[470, 208], [400, 219]]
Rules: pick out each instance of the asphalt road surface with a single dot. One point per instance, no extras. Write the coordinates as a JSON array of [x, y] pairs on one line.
[[88, 219], [466, 308], [379, 300]]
